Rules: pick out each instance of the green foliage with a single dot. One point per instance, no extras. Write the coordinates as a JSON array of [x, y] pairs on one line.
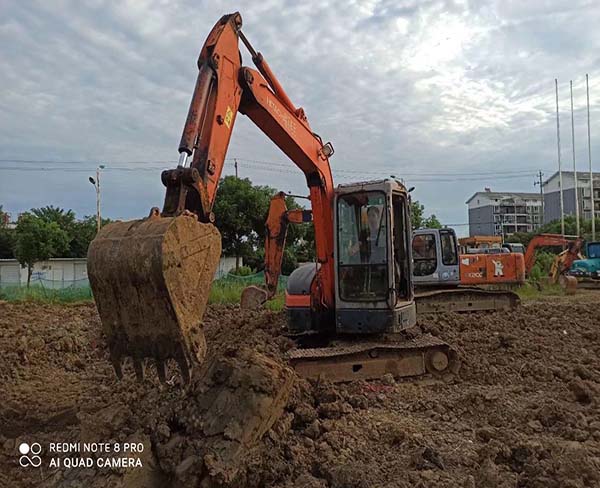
[[84, 232], [542, 266], [40, 294], [243, 271], [7, 243], [50, 213], [38, 240], [7, 237], [418, 219], [533, 291], [228, 291], [80, 233], [554, 227], [240, 211], [3, 217]]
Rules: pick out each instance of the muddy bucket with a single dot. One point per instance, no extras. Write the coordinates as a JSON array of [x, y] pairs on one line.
[[151, 280]]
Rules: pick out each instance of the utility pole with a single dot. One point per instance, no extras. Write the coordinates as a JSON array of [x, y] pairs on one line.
[[236, 168], [560, 179], [587, 86], [540, 182], [574, 165], [96, 183]]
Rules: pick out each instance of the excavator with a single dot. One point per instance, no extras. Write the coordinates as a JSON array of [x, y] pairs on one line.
[[561, 266], [151, 277], [448, 281], [587, 269]]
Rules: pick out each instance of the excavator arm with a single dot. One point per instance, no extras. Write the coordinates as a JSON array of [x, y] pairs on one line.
[[278, 220], [542, 240], [151, 277], [223, 88]]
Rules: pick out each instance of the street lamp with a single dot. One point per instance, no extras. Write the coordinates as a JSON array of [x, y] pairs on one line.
[[96, 183]]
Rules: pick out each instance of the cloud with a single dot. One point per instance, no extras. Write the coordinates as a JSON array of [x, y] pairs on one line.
[[400, 87]]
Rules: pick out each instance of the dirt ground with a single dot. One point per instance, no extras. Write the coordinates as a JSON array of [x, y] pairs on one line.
[[524, 410]]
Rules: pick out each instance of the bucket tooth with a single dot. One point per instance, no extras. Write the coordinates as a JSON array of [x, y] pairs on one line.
[[184, 366], [116, 360], [161, 370], [151, 281], [117, 367], [139, 368]]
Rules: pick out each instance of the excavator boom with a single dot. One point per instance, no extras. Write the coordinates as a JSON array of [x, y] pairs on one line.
[[151, 277]]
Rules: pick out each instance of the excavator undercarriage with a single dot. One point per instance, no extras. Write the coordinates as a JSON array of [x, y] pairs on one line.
[[464, 299], [366, 360]]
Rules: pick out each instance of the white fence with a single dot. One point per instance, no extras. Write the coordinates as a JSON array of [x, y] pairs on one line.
[[60, 273]]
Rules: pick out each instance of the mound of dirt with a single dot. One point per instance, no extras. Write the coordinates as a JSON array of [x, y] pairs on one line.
[[524, 410]]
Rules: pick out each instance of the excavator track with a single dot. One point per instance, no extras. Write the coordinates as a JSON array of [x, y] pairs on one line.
[[465, 299], [151, 281], [349, 361], [587, 284]]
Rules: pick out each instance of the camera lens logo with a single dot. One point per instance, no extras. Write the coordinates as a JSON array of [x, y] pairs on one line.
[[30, 455]]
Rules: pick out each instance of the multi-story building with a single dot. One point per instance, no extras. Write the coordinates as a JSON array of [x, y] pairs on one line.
[[503, 213], [552, 195]]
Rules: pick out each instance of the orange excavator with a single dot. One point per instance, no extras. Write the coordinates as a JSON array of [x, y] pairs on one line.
[[564, 260], [151, 277]]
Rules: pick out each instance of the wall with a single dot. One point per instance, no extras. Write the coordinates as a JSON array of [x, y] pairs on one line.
[[64, 272], [552, 204], [481, 221]]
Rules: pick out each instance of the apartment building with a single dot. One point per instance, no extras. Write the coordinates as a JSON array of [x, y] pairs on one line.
[[552, 195], [504, 213]]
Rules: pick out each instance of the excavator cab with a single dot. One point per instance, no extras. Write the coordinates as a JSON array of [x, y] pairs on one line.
[[372, 258], [435, 257], [373, 279]]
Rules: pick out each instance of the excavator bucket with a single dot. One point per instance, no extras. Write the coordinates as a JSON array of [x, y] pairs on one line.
[[253, 298], [151, 280]]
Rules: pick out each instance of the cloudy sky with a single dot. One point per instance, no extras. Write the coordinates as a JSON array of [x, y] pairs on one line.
[[452, 96]]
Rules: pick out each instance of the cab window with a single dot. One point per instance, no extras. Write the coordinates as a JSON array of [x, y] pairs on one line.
[[362, 246], [424, 254], [449, 248]]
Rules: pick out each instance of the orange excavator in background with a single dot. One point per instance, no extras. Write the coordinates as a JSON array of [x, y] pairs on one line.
[[562, 263], [151, 277]]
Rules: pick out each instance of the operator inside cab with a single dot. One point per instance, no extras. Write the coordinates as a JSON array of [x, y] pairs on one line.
[[424, 254], [363, 246], [371, 246]]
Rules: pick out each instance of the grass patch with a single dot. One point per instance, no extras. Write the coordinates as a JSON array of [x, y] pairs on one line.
[[38, 293], [230, 292], [532, 291], [276, 304], [224, 291]]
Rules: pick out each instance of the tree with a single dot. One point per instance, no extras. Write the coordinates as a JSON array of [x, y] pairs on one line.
[[80, 233], [554, 227], [84, 232], [38, 240], [65, 219], [240, 211], [418, 220], [50, 213], [3, 217], [7, 237]]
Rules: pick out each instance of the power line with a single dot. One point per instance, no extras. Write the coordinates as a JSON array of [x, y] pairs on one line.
[[258, 163]]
